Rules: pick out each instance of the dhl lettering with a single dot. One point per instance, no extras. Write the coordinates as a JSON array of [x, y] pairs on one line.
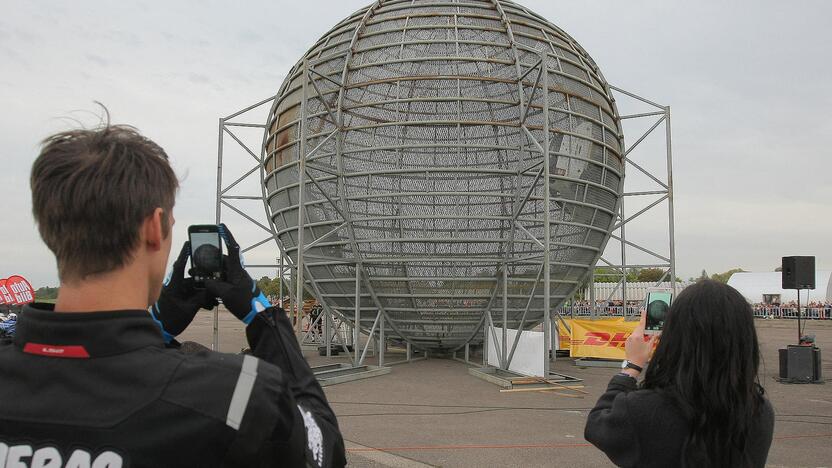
[[604, 339], [596, 338], [618, 340]]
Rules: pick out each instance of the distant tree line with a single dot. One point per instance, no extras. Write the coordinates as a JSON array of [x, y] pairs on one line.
[[634, 275], [652, 275], [271, 287], [46, 293]]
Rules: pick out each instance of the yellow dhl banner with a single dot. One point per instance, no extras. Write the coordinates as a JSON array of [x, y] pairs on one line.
[[596, 338], [564, 337]]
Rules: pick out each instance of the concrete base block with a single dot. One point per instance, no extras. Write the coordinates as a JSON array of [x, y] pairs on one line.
[[598, 362], [339, 373]]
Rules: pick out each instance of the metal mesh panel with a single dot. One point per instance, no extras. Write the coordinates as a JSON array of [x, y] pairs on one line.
[[416, 124]]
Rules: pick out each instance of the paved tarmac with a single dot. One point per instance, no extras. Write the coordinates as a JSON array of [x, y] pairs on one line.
[[433, 413]]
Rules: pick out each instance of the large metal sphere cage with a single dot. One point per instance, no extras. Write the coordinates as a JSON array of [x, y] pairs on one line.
[[424, 131]]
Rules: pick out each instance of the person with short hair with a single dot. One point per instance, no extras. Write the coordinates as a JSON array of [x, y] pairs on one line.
[[96, 380], [700, 403]]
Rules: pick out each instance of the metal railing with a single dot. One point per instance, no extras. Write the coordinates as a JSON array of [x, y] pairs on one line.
[[809, 313]]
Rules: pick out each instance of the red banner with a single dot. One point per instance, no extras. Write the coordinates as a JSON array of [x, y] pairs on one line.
[[20, 289]]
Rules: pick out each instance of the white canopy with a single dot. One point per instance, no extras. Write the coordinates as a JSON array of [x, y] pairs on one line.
[[754, 285]]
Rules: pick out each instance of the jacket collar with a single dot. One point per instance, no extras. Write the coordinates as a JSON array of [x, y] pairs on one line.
[[41, 330]]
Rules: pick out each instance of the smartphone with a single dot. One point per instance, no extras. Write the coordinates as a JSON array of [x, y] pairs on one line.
[[656, 305], [206, 253]]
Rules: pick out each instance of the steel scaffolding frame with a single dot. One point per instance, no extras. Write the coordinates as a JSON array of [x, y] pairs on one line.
[[323, 91], [316, 83], [284, 266], [663, 193]]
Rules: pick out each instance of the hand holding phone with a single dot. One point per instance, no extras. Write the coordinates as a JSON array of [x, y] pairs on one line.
[[179, 299], [639, 345], [237, 290], [206, 253], [656, 306]]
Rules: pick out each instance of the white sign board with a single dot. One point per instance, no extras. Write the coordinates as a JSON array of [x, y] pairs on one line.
[[529, 355]]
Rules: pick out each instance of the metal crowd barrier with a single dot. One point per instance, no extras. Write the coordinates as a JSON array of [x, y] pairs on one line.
[[602, 311], [809, 313]]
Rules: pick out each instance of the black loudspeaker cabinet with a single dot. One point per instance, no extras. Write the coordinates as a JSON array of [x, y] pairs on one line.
[[818, 374], [783, 354], [801, 367], [800, 364], [798, 272]]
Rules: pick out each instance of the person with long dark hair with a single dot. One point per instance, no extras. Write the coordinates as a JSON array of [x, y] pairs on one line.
[[700, 403]]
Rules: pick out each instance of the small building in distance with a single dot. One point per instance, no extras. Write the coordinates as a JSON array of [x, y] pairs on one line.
[[766, 287]]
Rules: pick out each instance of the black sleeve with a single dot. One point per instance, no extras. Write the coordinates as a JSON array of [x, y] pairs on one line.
[[272, 339], [609, 426]]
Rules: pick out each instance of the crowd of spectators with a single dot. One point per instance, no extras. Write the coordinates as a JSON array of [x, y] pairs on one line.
[[815, 310]]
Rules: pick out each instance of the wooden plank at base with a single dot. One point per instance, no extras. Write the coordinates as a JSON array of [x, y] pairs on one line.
[[552, 390]]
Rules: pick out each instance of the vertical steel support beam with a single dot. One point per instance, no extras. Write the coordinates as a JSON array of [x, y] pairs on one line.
[[671, 222], [467, 352], [409, 352], [328, 331], [301, 197], [547, 234], [280, 281], [356, 331], [215, 343], [382, 341], [593, 311], [504, 357], [623, 260], [484, 344], [290, 310]]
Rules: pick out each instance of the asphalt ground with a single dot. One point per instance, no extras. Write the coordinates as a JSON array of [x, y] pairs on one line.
[[433, 413]]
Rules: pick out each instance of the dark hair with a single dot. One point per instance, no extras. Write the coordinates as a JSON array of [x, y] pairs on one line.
[[91, 191], [707, 361]]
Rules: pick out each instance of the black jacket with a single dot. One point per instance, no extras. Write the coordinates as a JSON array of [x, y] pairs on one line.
[[644, 428], [102, 390]]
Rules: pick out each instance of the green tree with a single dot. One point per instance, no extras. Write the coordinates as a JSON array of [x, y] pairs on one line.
[[265, 285], [633, 274], [725, 276], [46, 293], [271, 286], [650, 275], [607, 275]]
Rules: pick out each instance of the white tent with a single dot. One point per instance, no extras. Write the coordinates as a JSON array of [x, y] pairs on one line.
[[754, 286]]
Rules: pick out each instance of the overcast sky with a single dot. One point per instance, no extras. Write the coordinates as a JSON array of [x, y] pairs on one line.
[[747, 82]]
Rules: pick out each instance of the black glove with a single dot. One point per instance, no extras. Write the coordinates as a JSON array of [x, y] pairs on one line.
[[239, 293], [179, 301]]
